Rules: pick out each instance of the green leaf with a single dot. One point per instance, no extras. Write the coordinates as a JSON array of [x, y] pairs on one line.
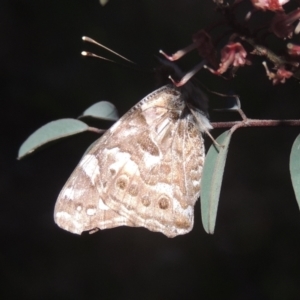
[[102, 110], [233, 104], [50, 132], [211, 181], [295, 167], [103, 2]]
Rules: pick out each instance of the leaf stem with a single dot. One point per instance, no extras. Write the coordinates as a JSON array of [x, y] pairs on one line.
[[256, 123], [96, 130]]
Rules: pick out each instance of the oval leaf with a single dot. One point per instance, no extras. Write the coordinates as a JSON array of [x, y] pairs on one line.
[[102, 110], [211, 181], [50, 132], [295, 167], [232, 103], [103, 2]]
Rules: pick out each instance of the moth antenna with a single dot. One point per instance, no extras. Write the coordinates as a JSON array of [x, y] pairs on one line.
[[89, 40], [89, 54], [188, 75]]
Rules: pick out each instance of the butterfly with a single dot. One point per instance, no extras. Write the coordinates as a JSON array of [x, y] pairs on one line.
[[145, 171]]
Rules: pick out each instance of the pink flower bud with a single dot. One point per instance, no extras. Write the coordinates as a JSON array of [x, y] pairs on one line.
[[273, 5], [280, 76], [233, 54], [293, 49]]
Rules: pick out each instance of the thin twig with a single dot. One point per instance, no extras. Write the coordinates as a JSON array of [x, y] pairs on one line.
[[96, 130], [256, 123], [242, 114], [237, 124]]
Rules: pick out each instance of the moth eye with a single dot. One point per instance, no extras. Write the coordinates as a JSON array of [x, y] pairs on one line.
[[146, 201], [122, 182], [163, 203], [133, 189]]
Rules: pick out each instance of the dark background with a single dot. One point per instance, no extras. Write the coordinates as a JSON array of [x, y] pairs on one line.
[[255, 251]]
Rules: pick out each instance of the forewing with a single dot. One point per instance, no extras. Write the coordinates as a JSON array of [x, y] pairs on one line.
[[153, 165], [144, 171]]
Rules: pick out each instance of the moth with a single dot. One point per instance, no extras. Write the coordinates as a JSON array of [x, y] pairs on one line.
[[145, 171]]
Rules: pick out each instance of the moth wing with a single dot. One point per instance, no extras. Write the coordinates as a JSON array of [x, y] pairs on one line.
[[79, 206], [152, 164], [144, 171]]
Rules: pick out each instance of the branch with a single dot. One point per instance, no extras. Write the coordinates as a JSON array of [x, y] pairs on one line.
[[256, 123], [96, 130]]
